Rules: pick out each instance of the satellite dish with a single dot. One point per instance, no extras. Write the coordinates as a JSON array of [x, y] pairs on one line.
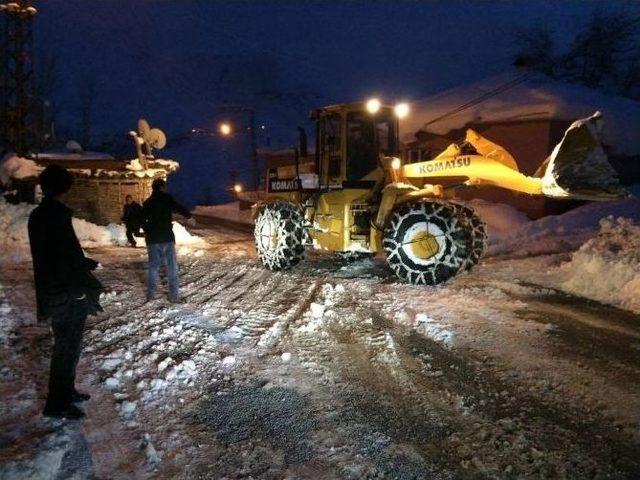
[[73, 147], [156, 138], [143, 127]]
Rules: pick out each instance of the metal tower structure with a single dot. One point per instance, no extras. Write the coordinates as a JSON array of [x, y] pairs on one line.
[[16, 77]]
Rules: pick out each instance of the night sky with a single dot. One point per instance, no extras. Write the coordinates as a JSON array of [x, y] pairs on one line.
[[177, 62]]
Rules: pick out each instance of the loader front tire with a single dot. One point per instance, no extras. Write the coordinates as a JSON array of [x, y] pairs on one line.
[[426, 243], [476, 227], [280, 235]]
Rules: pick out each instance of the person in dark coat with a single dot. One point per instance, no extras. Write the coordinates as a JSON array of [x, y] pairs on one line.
[[157, 211], [131, 216], [66, 290]]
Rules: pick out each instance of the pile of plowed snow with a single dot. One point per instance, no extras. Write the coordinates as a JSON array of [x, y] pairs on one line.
[[559, 233], [14, 239], [607, 267], [501, 220]]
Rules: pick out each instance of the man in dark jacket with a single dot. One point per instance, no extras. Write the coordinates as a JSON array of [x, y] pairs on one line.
[[131, 214], [66, 291], [157, 213]]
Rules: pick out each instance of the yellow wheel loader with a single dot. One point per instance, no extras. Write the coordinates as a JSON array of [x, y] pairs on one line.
[[356, 197]]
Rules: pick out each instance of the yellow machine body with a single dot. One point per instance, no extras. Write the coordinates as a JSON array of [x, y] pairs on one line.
[[349, 206]]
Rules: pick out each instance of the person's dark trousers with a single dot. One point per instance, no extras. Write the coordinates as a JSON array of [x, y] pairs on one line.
[[67, 323], [131, 231]]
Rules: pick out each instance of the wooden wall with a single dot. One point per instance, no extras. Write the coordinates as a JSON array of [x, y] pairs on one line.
[[100, 200]]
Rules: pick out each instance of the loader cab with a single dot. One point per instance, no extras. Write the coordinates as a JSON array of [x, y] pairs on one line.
[[349, 142]]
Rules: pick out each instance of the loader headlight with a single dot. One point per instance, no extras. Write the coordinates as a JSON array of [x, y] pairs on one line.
[[396, 164], [401, 110], [373, 105]]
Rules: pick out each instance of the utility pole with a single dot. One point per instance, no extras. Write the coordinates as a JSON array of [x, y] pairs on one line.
[[17, 129], [255, 166], [254, 149]]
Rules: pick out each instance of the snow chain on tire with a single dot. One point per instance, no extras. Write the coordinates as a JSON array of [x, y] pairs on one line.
[[426, 242], [280, 235], [478, 234]]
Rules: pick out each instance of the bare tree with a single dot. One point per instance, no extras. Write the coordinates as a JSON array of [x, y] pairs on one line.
[[45, 106], [536, 49], [604, 55], [87, 99], [600, 53]]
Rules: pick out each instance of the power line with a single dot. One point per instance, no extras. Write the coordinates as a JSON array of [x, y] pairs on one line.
[[482, 98]]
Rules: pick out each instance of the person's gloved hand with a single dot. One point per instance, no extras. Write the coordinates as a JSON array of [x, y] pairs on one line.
[[91, 263], [191, 222]]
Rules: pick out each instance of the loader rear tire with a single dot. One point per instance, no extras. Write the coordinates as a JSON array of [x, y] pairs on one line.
[[426, 243], [280, 235], [477, 229]]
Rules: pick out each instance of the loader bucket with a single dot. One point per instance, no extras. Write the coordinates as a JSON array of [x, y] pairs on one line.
[[578, 166]]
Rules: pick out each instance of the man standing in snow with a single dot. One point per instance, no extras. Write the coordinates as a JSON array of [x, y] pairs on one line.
[[157, 211], [66, 290], [131, 217]]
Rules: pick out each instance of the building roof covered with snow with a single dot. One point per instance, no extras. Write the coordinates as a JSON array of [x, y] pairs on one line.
[[521, 96]]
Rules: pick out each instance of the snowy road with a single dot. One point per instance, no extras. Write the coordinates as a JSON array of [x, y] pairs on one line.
[[331, 371]]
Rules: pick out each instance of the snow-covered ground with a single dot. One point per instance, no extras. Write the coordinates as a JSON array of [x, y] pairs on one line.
[[336, 370], [14, 239], [607, 267]]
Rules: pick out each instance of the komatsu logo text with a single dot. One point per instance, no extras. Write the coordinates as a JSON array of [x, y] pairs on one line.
[[441, 166], [287, 185]]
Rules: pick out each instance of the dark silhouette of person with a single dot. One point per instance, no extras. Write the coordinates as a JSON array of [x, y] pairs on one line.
[[132, 218], [66, 290], [157, 211]]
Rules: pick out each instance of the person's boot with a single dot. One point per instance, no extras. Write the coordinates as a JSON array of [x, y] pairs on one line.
[[70, 412], [77, 396]]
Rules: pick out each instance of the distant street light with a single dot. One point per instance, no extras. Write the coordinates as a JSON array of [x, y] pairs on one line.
[[225, 129], [237, 188]]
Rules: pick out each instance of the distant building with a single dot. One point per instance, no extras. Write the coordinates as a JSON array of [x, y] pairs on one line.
[[527, 114], [101, 182]]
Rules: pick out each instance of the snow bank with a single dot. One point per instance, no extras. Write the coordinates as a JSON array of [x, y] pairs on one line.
[[228, 211], [14, 239], [607, 267], [560, 233], [14, 242], [501, 220], [12, 166]]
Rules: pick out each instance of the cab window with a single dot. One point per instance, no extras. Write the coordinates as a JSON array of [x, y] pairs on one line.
[[361, 155], [331, 145]]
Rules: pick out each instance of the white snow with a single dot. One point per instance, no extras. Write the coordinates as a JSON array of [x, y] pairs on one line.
[[560, 233], [229, 360], [501, 220], [227, 211], [607, 267], [165, 166], [434, 330], [536, 97], [14, 239], [13, 166], [74, 156]]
